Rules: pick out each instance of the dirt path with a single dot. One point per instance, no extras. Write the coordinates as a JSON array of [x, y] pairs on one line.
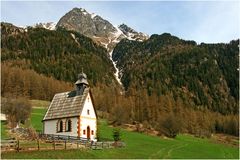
[[174, 148], [168, 150]]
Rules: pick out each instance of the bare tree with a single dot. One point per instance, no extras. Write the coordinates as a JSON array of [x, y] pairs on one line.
[[17, 110], [170, 126]]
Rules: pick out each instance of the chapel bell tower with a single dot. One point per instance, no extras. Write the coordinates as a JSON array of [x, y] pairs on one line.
[[81, 83]]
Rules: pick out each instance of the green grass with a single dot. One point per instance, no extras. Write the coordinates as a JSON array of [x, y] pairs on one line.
[[39, 103], [3, 130], [137, 146], [36, 118]]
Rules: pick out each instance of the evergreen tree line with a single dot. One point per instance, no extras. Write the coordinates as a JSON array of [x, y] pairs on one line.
[[204, 76]]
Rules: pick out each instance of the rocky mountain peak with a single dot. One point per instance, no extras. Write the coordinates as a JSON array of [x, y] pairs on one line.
[[79, 11], [131, 34], [125, 29], [97, 28], [79, 20]]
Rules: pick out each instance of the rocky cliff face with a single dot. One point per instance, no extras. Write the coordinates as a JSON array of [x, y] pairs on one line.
[[97, 28], [80, 20]]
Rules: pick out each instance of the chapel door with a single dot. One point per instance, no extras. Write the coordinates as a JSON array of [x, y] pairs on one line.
[[88, 132]]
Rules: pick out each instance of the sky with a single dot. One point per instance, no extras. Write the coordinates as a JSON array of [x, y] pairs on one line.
[[201, 21]]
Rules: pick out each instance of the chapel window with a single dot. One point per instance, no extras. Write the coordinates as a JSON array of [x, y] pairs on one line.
[[60, 126], [68, 125]]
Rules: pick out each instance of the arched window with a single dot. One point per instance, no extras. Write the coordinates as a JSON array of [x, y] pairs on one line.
[[88, 112], [68, 125], [92, 132], [60, 126]]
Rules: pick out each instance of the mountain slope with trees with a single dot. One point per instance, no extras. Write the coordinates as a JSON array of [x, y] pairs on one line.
[[203, 76], [61, 54], [38, 63], [165, 78], [194, 86]]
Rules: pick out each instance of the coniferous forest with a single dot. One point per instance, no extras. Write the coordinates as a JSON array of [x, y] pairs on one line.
[[164, 77]]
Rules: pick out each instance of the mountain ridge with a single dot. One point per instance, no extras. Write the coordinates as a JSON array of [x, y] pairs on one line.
[[97, 28]]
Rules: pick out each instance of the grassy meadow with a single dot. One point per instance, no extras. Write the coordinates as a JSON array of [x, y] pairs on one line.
[[138, 145], [36, 118], [3, 131]]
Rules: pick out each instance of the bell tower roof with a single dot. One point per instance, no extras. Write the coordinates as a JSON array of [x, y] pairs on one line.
[[82, 79]]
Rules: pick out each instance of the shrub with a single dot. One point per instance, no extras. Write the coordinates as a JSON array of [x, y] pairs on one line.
[[98, 135], [116, 134], [170, 127]]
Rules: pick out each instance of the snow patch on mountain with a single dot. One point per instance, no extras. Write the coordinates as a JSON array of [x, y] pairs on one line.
[[48, 25], [93, 15], [116, 74], [84, 11], [118, 32], [75, 39], [104, 44], [52, 26]]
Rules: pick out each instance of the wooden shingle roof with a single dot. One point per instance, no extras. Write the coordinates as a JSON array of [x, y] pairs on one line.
[[66, 104]]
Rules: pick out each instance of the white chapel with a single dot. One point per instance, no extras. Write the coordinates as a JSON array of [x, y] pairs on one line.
[[72, 113]]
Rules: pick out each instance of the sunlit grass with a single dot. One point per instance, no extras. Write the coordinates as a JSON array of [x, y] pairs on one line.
[[138, 145]]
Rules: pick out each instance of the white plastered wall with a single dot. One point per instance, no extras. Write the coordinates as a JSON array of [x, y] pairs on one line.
[[88, 119], [50, 127]]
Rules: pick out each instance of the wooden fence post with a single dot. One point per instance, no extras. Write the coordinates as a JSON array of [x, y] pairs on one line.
[[54, 144], [18, 145], [38, 144], [65, 144]]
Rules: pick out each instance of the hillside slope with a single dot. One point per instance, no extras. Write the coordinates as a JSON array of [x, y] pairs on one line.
[[203, 76], [61, 54]]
